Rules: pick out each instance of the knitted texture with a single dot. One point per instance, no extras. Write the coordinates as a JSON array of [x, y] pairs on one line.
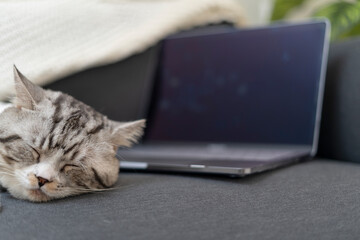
[[48, 40]]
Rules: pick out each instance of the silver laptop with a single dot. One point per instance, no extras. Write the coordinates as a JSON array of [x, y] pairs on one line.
[[236, 102]]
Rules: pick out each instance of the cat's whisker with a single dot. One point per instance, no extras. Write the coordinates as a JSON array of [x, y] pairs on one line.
[[108, 189], [7, 173], [120, 157], [86, 190], [103, 190], [79, 191], [94, 189]]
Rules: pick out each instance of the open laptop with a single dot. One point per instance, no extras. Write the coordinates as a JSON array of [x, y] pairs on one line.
[[235, 102]]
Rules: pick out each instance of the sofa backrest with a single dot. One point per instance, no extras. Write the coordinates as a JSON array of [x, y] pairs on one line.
[[115, 90], [340, 125]]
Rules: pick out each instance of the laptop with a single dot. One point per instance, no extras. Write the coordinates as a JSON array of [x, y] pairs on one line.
[[234, 102]]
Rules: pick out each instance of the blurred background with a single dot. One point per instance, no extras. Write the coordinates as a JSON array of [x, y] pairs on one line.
[[344, 15]]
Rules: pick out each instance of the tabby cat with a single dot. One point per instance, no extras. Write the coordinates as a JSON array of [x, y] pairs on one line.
[[53, 146]]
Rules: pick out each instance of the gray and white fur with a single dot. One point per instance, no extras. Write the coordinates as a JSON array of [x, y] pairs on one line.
[[53, 146]]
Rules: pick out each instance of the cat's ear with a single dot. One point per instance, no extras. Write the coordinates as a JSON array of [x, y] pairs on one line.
[[127, 133], [27, 93]]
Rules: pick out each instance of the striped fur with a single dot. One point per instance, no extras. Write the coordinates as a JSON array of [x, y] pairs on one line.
[[52, 137]]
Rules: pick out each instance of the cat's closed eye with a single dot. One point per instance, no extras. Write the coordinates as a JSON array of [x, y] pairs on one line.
[[21, 152], [35, 154], [9, 159], [69, 167]]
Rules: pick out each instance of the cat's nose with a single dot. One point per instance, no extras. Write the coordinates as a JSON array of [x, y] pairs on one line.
[[42, 181]]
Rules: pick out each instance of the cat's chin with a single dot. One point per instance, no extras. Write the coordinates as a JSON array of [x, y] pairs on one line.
[[37, 195]]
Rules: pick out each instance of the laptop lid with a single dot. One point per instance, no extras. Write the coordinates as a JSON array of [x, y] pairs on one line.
[[250, 86]]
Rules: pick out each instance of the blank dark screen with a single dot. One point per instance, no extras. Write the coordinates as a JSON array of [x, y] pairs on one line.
[[243, 86]]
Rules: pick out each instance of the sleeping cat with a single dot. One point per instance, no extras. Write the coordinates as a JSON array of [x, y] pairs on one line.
[[54, 146]]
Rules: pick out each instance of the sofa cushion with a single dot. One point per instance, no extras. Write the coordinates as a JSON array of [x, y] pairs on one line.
[[312, 200]]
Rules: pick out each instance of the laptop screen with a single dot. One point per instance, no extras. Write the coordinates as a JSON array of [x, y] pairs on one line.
[[242, 86]]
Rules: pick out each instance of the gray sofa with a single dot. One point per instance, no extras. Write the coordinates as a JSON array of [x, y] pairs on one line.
[[317, 199]]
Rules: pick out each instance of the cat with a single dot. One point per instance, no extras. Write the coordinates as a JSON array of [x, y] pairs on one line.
[[53, 146]]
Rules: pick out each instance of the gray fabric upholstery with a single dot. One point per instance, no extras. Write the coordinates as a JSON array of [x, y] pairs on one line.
[[340, 126], [312, 200]]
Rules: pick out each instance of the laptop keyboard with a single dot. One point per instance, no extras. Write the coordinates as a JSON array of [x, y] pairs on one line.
[[208, 152]]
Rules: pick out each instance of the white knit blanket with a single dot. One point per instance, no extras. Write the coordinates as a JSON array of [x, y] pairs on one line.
[[48, 40]]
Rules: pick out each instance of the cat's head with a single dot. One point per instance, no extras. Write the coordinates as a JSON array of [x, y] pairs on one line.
[[53, 146]]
